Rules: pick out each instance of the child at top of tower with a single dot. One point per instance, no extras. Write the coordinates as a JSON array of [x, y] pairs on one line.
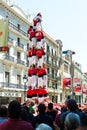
[[37, 22], [37, 19]]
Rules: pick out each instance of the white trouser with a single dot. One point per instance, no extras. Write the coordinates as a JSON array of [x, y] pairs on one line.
[[34, 41], [39, 44], [30, 81], [34, 83], [40, 82], [34, 59], [40, 62]]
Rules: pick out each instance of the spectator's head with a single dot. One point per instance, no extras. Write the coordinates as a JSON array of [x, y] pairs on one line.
[[50, 106], [41, 108], [14, 109], [43, 126], [72, 121], [71, 104], [3, 111], [24, 114]]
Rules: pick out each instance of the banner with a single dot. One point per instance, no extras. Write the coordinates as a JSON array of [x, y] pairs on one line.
[[3, 35]]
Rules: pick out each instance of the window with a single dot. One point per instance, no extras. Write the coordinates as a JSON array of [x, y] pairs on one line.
[[27, 46], [52, 73], [52, 51], [19, 79], [18, 26], [18, 41], [48, 49], [18, 55], [7, 77], [55, 53], [48, 70]]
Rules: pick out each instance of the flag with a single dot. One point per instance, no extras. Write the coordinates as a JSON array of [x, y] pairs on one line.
[[3, 35]]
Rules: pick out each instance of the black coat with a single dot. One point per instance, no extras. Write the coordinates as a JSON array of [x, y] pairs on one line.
[[42, 118]]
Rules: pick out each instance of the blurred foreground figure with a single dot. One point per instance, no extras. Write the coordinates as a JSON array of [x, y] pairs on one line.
[[72, 121], [3, 114], [43, 126], [14, 122]]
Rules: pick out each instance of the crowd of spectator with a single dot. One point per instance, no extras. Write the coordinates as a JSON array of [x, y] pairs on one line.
[[43, 116]]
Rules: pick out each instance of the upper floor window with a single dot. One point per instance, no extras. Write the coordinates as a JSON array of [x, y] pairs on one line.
[[7, 77], [18, 79], [18, 26], [18, 55], [52, 51], [18, 41], [48, 49]]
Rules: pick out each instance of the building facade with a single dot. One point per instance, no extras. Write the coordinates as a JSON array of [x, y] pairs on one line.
[[14, 63]]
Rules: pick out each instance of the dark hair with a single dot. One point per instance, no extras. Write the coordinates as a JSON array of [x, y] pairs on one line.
[[24, 114], [3, 111], [41, 108], [14, 109], [71, 104], [50, 106]]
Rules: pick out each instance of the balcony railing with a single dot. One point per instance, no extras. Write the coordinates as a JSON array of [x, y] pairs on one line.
[[19, 30], [21, 45], [10, 85], [7, 57], [20, 62], [12, 59], [17, 44]]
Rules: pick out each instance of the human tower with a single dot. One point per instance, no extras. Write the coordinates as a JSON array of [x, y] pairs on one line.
[[37, 71]]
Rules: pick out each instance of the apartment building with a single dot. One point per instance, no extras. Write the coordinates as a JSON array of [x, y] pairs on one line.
[[14, 63], [72, 78]]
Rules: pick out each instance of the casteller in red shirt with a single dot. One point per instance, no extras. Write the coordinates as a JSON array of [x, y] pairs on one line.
[[30, 71], [31, 32], [39, 35], [30, 52], [39, 53]]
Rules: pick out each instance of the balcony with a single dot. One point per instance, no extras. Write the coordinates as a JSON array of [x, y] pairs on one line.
[[10, 58], [19, 30], [15, 44], [11, 86], [20, 62], [21, 45], [10, 39]]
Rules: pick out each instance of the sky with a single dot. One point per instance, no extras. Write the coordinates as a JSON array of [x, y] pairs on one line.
[[64, 20]]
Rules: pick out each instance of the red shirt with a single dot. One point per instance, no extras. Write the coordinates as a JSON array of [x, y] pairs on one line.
[[44, 71], [12, 124], [30, 71], [39, 53], [34, 71], [36, 20], [39, 35], [40, 72], [34, 51], [31, 32], [30, 53]]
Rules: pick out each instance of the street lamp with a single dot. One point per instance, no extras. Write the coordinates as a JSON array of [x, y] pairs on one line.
[[25, 81], [71, 69]]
